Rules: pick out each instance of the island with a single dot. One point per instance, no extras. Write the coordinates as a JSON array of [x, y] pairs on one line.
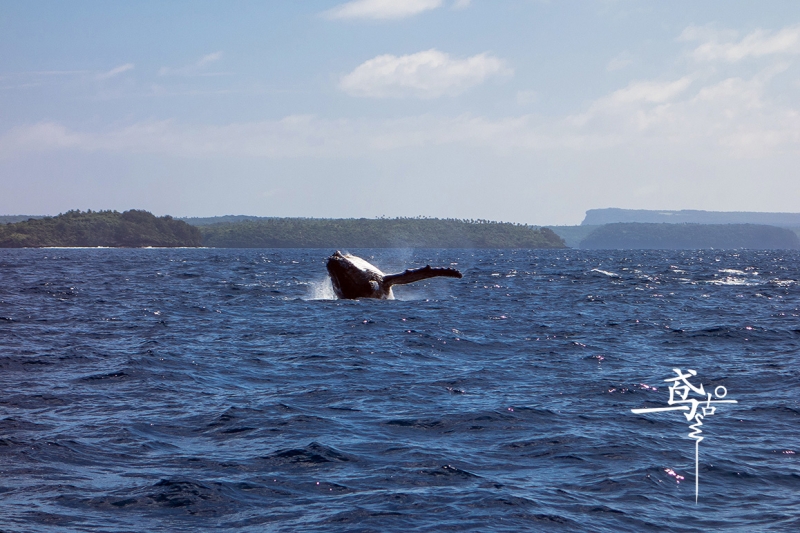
[[351, 233], [131, 229], [612, 215], [662, 236], [136, 228]]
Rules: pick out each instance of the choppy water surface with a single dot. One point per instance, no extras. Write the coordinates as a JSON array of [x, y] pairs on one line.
[[176, 390]]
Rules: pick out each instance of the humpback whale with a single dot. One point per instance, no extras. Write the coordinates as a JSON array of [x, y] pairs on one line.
[[352, 277]]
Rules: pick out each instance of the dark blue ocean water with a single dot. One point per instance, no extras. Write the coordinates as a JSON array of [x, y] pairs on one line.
[[185, 390]]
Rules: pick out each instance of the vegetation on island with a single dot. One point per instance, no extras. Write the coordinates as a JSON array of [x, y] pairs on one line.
[[139, 228], [377, 233], [133, 229], [207, 221], [136, 228], [644, 236], [10, 219]]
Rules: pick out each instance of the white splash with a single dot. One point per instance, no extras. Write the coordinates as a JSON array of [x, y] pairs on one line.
[[320, 290]]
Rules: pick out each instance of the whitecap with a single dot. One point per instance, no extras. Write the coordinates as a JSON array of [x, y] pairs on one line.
[[730, 280], [605, 273]]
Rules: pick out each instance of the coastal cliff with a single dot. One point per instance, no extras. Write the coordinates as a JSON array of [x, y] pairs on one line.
[[642, 236]]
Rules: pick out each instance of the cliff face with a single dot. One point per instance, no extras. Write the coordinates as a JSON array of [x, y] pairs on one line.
[[689, 216], [625, 236], [132, 229]]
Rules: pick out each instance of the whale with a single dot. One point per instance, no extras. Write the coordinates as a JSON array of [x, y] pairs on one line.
[[353, 277]]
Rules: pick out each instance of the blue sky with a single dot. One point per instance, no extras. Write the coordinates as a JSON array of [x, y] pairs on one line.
[[517, 110]]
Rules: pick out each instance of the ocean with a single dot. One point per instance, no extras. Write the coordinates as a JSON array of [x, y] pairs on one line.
[[226, 390]]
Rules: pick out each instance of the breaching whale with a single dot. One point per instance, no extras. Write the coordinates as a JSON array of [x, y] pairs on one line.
[[352, 277]]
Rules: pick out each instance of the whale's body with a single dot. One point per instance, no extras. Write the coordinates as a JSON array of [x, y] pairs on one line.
[[352, 277]]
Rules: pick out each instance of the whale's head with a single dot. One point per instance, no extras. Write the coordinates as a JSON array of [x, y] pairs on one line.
[[352, 277]]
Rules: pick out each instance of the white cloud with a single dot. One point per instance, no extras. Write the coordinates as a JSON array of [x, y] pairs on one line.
[[626, 104], [461, 4], [730, 117], [53, 73], [115, 71], [195, 69], [210, 58], [291, 137], [619, 62], [650, 91], [40, 137], [381, 9], [733, 118], [38, 78], [527, 97], [722, 45], [428, 74]]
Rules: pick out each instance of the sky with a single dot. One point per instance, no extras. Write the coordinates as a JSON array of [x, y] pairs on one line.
[[526, 111]]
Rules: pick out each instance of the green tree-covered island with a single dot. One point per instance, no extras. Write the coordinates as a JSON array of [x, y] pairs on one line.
[[376, 233], [131, 229], [140, 229]]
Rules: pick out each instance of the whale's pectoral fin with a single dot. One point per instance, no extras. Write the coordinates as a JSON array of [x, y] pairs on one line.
[[417, 274]]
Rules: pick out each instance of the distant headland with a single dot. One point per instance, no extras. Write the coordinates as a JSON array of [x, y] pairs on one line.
[[613, 215], [630, 229], [141, 229], [648, 236]]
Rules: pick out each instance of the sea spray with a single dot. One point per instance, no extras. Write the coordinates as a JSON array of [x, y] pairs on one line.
[[320, 290]]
